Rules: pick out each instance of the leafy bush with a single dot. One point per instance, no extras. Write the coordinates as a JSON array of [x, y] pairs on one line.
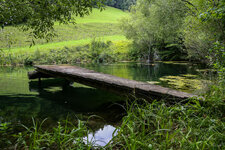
[[100, 51], [172, 52], [217, 59], [121, 50]]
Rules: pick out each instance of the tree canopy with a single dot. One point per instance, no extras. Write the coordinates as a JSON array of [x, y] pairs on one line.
[[40, 15], [155, 25], [174, 28], [204, 27]]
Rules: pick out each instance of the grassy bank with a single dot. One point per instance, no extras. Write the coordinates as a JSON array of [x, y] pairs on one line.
[[69, 52], [189, 126], [156, 125], [59, 45]]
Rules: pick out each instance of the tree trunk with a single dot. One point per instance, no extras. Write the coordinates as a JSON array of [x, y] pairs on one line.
[[150, 54]]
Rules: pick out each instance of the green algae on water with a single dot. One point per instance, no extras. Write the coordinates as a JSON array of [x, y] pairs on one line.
[[186, 82]]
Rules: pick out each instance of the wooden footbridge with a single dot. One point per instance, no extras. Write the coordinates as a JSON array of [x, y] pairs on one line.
[[108, 82]]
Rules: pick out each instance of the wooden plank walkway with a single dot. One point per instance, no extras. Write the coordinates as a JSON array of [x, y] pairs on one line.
[[108, 82]]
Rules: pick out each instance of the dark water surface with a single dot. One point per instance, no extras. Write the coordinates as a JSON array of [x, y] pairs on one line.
[[21, 99]]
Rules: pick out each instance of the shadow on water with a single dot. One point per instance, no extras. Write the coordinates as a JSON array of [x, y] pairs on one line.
[[79, 100], [17, 107]]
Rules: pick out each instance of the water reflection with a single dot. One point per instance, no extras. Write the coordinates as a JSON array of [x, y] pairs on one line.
[[101, 137], [144, 72]]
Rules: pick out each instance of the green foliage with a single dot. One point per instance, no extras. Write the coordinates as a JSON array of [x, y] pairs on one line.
[[215, 12], [64, 136], [203, 27], [173, 52], [181, 126], [121, 50], [218, 56], [217, 59], [5, 132], [205, 35], [98, 51], [153, 25], [4, 126], [171, 29], [40, 16]]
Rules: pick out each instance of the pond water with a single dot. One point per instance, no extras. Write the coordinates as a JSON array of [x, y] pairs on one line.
[[21, 99]]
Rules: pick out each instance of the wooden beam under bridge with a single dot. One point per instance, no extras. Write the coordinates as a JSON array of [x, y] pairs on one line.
[[108, 82]]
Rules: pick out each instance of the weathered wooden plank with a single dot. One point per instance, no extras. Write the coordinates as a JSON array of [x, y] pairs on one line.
[[112, 83]]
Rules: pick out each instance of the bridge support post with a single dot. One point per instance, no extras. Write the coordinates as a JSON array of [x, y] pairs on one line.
[[39, 81]]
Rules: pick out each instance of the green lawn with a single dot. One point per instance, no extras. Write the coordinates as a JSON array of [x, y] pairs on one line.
[[109, 15], [102, 24]]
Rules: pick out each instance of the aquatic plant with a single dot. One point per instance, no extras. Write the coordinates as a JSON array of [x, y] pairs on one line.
[[186, 82]]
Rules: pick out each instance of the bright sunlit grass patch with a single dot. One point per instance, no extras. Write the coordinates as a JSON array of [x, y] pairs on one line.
[[97, 24], [109, 15], [59, 45]]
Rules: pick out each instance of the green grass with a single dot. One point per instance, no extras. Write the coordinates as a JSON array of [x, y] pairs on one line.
[[69, 52], [156, 125], [97, 24], [59, 45], [188, 126], [109, 15], [66, 135]]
